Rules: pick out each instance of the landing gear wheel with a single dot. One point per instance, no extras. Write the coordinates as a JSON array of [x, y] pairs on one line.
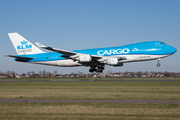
[[100, 71], [102, 68], [90, 70], [96, 68], [158, 64]]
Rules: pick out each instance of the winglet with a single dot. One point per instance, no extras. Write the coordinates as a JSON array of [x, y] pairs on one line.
[[40, 45]]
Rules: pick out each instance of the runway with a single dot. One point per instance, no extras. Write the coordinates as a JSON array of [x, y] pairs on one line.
[[143, 80], [93, 101]]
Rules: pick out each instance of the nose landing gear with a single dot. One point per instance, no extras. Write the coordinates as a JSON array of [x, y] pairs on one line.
[[159, 63]]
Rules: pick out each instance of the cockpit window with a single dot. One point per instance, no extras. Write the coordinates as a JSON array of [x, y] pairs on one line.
[[162, 43]]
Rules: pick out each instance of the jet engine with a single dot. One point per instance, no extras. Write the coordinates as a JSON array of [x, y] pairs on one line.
[[84, 58], [112, 61]]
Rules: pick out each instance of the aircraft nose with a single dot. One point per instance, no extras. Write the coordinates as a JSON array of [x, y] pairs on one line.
[[170, 49]]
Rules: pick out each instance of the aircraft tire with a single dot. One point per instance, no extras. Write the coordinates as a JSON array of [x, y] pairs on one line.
[[158, 64], [100, 71]]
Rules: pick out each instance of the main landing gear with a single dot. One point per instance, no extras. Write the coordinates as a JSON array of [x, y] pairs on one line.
[[97, 68], [159, 63]]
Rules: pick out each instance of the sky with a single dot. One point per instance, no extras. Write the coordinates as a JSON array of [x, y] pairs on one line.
[[79, 24]]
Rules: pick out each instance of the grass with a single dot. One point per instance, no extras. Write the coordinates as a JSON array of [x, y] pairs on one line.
[[91, 90], [108, 111]]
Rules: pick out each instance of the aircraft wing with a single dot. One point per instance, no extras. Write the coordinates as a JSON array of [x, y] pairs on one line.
[[65, 52], [27, 58]]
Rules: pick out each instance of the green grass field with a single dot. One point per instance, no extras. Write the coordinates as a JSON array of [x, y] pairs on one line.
[[74, 111], [90, 91]]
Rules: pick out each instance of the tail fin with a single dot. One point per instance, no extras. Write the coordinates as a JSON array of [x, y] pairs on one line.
[[23, 46]]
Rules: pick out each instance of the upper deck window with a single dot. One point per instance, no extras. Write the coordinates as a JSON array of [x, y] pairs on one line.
[[162, 43]]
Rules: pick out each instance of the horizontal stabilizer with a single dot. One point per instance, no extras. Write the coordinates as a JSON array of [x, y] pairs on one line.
[[26, 58]]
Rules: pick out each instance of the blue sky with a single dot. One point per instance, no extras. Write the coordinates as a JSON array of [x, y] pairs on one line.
[[78, 24]]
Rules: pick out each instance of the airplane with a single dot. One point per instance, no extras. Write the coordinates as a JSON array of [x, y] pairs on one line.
[[95, 58]]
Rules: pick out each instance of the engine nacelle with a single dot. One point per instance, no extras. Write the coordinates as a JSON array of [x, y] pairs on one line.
[[119, 64], [112, 61], [84, 58]]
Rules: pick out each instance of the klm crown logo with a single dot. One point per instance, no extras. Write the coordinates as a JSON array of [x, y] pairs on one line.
[[24, 42]]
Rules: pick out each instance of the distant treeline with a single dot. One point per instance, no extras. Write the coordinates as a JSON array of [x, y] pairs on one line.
[[45, 74]]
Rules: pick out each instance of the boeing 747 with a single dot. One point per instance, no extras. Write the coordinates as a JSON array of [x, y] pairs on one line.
[[96, 58]]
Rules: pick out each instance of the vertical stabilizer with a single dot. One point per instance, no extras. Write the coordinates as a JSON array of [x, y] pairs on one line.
[[23, 46]]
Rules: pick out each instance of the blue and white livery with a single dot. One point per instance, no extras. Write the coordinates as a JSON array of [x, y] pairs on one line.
[[96, 58]]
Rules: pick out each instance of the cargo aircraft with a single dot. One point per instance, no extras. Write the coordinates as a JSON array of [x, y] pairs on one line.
[[95, 58]]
